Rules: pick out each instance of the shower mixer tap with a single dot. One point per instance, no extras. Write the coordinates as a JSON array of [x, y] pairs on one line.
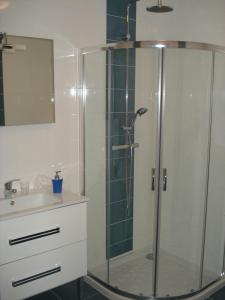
[[8, 189]]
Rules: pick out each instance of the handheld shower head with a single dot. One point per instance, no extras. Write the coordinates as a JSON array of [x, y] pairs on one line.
[[141, 111]]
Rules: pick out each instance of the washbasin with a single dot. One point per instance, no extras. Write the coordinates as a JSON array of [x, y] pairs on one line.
[[26, 202]]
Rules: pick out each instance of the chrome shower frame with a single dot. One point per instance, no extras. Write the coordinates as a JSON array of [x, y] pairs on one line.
[[161, 45]]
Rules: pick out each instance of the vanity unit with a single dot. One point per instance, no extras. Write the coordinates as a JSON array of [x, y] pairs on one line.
[[42, 243]]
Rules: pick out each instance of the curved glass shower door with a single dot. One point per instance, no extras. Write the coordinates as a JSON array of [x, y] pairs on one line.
[[120, 150], [184, 169], [133, 82], [155, 180]]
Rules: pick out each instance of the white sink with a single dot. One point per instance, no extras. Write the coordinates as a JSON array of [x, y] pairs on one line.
[[28, 202]]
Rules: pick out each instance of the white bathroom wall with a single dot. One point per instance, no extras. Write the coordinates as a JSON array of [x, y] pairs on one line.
[[191, 20], [95, 158], [215, 227], [33, 152]]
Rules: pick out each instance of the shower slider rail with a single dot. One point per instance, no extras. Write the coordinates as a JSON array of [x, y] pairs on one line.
[[123, 147]]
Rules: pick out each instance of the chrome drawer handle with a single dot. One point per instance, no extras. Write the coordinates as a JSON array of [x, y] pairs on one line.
[[34, 236], [35, 277]]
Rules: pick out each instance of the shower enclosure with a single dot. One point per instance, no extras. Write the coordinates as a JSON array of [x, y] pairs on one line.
[[156, 225]]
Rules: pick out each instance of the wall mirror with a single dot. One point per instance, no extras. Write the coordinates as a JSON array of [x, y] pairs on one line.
[[26, 80]]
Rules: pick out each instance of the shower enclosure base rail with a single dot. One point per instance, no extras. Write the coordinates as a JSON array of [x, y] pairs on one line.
[[114, 294]]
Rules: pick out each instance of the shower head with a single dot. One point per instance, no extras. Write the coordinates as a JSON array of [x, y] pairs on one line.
[[159, 8], [141, 111], [4, 42], [7, 47]]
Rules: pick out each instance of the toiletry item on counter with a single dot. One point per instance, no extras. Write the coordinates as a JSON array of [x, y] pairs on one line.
[[57, 183]]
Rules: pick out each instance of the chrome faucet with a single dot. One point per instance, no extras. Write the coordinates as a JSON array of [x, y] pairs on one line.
[[8, 188]]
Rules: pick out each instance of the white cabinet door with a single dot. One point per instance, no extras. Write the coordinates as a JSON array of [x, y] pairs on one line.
[[40, 232], [33, 275]]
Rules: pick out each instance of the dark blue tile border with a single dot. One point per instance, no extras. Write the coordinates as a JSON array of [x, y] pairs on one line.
[[119, 8], [118, 191], [116, 28], [121, 231], [121, 221], [118, 121], [119, 212], [119, 77], [121, 248], [119, 57]]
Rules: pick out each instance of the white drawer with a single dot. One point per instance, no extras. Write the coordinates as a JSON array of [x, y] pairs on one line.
[[40, 232], [59, 266]]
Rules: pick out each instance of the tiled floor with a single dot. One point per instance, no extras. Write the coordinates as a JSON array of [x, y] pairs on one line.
[[133, 273], [71, 291], [218, 296]]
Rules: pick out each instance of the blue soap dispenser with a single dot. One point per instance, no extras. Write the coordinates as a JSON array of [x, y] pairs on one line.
[[57, 183]]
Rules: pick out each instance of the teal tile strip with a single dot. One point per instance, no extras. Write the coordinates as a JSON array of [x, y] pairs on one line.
[[120, 223]]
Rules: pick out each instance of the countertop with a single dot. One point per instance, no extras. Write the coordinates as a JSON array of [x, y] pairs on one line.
[[66, 198]]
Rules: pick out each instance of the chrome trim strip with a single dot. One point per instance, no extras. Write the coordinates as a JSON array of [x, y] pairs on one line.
[[108, 160], [83, 111], [128, 161], [154, 44], [35, 277], [207, 171], [34, 236], [156, 238]]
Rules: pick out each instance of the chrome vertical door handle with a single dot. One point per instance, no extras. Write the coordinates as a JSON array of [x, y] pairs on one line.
[[153, 179], [164, 179]]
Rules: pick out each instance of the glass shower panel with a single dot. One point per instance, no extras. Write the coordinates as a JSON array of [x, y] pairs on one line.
[[215, 226], [94, 92], [134, 85], [184, 159]]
